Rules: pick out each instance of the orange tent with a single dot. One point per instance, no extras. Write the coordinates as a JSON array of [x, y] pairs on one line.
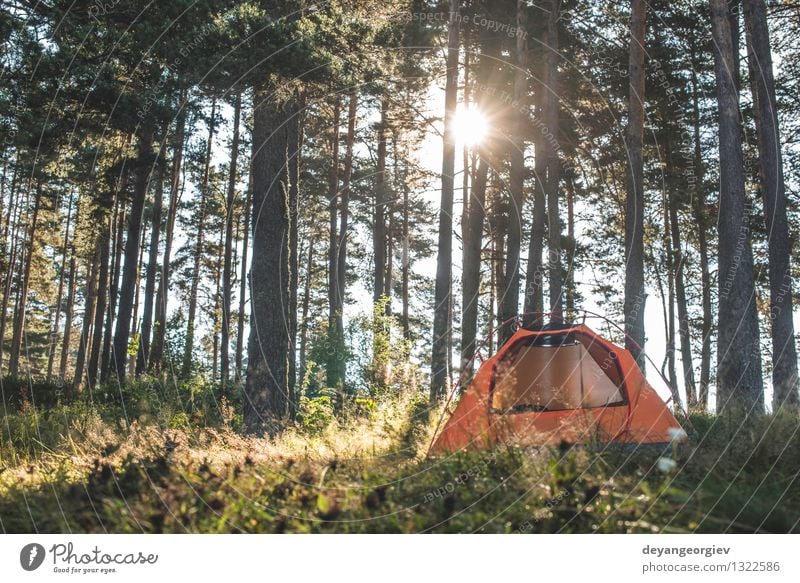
[[557, 384]]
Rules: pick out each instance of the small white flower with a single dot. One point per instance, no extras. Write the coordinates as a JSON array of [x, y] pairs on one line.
[[676, 434], [666, 464]]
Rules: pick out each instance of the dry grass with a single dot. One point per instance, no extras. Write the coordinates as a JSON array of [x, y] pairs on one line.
[[77, 469]]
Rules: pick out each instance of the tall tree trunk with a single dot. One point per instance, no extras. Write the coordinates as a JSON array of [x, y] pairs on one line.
[[295, 146], [379, 211], [406, 254], [6, 164], [217, 308], [466, 152], [332, 367], [119, 234], [571, 291], [676, 266], [498, 225], [739, 382], [635, 294], [678, 261], [104, 255], [306, 306], [380, 234], [440, 374], [534, 281], [135, 321], [160, 327], [471, 268], [13, 224], [89, 298], [227, 268], [18, 331], [490, 308], [67, 337], [66, 252], [341, 241], [186, 366], [266, 386], [734, 11], [389, 278], [130, 270], [700, 217], [119, 219], [670, 299], [517, 155], [243, 278], [784, 350], [551, 115], [143, 356]]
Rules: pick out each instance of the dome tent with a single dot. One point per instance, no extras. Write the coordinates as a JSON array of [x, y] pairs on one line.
[[553, 384]]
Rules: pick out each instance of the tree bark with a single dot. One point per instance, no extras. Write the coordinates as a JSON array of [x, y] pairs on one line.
[[65, 253], [159, 332], [67, 337], [130, 270], [443, 288], [739, 382], [20, 315], [186, 366], [784, 350], [137, 296], [143, 356], [104, 255], [379, 211], [116, 268], [405, 275], [471, 269], [519, 118], [331, 367], [266, 387], [341, 244], [677, 261], [243, 278], [570, 292], [700, 216], [227, 268], [18, 331], [14, 212], [635, 295], [90, 296], [551, 116], [534, 283], [295, 146], [217, 307], [669, 302], [380, 234], [306, 306]]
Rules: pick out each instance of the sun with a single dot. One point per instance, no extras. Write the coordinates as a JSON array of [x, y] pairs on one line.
[[470, 126]]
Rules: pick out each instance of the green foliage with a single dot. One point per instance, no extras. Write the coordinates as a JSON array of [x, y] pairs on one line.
[[368, 473], [383, 357], [316, 413], [18, 390]]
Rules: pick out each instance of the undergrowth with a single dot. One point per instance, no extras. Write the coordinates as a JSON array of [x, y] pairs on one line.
[[79, 466]]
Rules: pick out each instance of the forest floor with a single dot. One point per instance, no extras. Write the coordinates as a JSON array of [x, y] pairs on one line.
[[76, 468]]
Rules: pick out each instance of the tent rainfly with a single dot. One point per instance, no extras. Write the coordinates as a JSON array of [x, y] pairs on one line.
[[558, 383]]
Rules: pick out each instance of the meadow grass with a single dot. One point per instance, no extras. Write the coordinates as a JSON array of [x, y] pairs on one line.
[[76, 467]]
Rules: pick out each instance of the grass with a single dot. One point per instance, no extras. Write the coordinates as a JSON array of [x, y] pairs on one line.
[[75, 467]]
